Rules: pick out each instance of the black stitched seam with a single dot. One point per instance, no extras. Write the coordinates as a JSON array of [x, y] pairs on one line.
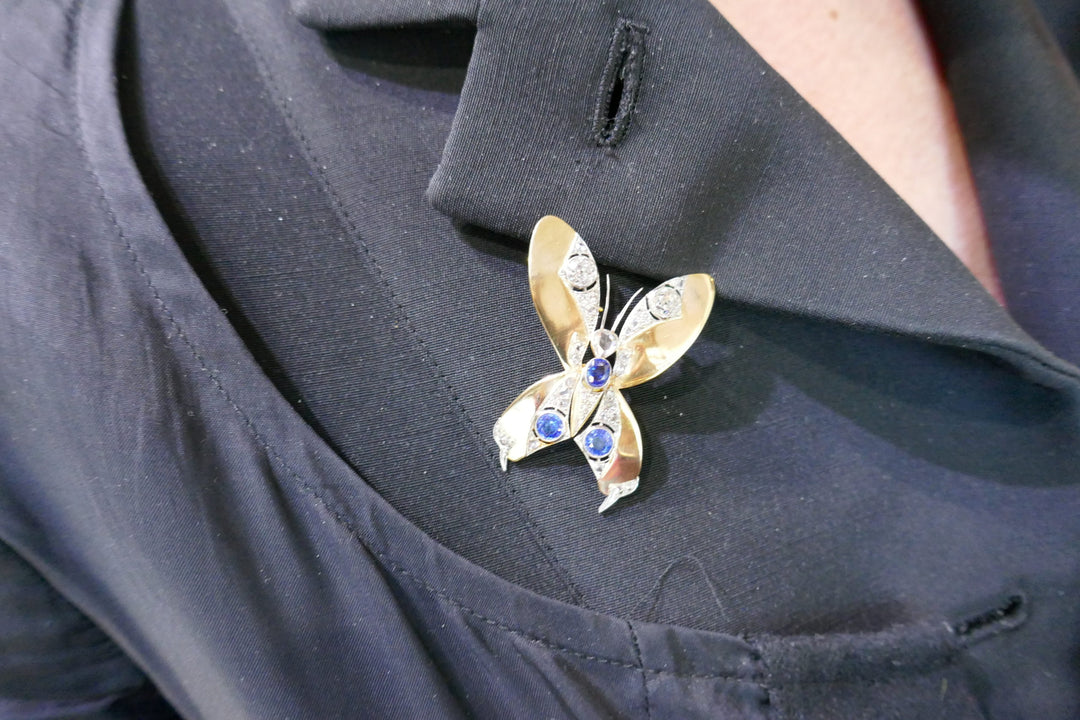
[[946, 656], [623, 71], [544, 642], [641, 665], [1006, 349], [485, 449]]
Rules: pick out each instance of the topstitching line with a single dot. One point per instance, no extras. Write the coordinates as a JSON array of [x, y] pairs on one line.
[[486, 450]]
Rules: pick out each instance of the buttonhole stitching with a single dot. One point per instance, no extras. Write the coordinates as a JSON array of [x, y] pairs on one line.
[[1009, 614], [620, 83]]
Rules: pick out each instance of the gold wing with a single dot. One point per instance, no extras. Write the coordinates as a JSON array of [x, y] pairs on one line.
[[515, 430], [661, 327], [657, 332], [612, 444], [565, 286]]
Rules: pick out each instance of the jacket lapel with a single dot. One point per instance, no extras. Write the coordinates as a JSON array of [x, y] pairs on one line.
[[1018, 102], [672, 147]]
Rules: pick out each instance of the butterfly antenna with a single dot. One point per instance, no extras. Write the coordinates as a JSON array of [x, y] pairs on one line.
[[607, 300], [619, 319]]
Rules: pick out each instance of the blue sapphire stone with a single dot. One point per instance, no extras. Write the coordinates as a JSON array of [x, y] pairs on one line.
[[597, 372], [549, 426], [599, 442]]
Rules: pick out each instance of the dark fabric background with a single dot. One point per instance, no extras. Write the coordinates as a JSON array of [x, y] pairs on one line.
[[862, 451]]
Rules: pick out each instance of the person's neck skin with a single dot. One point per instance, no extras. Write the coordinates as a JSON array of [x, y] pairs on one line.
[[869, 69]]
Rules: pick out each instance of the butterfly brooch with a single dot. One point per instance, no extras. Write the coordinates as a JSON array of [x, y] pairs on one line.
[[584, 401]]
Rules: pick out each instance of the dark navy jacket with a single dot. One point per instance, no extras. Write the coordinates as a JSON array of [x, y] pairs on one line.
[[263, 294]]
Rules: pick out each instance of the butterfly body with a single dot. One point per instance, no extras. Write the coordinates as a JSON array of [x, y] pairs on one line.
[[584, 401]]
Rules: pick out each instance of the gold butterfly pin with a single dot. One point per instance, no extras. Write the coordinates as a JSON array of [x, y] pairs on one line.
[[584, 401]]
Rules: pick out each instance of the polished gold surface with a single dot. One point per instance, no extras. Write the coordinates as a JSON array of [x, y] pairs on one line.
[[559, 312], [626, 462], [657, 348], [584, 403], [565, 285], [516, 423]]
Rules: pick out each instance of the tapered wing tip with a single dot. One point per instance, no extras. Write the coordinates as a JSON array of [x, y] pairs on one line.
[[502, 458], [552, 220], [616, 492]]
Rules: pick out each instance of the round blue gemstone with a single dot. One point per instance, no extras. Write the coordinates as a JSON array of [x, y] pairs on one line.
[[599, 442], [597, 372], [549, 426]]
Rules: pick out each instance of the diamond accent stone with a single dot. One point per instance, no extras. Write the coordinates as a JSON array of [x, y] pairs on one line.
[[580, 271], [503, 436], [609, 414], [667, 299], [604, 343], [585, 402], [579, 274], [665, 302], [616, 491], [560, 395], [576, 349], [588, 302], [639, 320]]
